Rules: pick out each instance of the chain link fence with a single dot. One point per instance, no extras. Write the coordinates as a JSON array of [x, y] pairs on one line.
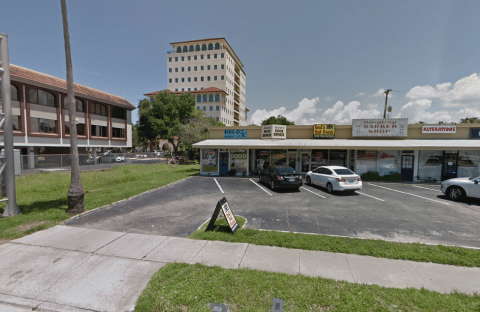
[[88, 162]]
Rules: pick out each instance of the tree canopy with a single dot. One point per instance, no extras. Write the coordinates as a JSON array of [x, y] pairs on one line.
[[279, 120], [163, 117], [470, 120], [195, 129]]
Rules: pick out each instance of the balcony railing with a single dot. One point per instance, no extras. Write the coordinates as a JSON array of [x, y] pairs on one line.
[[236, 109], [236, 118]]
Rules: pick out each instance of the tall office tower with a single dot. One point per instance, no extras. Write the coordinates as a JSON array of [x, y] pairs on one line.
[[212, 69]]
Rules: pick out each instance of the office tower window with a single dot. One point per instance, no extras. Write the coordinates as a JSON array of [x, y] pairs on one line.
[[204, 47], [176, 58], [211, 108], [210, 97], [176, 90], [218, 107], [170, 70], [169, 59], [217, 98], [176, 79], [194, 57], [189, 79], [183, 58], [204, 108], [208, 78], [201, 57], [222, 77], [216, 118], [210, 46], [208, 67], [214, 66], [176, 69], [201, 78], [183, 89], [222, 55], [205, 97], [215, 78], [197, 47], [189, 68], [195, 89], [195, 68], [201, 67], [195, 79], [215, 55], [183, 69], [199, 98], [208, 56], [223, 66], [189, 58], [183, 79], [170, 80]]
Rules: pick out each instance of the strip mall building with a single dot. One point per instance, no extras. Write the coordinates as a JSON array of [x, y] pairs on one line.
[[387, 146]]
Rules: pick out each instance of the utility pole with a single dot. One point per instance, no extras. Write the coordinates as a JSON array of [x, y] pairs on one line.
[[386, 98], [12, 208]]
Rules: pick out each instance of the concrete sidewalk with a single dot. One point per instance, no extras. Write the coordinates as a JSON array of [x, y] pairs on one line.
[[76, 269]]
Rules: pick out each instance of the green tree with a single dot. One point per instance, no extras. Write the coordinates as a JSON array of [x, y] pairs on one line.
[[195, 129], [279, 120], [162, 118], [470, 120]]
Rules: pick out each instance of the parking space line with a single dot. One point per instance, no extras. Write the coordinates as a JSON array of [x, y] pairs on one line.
[[219, 186], [312, 192], [409, 194], [427, 188], [261, 187], [368, 196]]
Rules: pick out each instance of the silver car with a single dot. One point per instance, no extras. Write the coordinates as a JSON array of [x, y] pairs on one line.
[[334, 178], [459, 188]]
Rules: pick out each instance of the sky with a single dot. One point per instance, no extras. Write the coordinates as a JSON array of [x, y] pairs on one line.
[[311, 61]]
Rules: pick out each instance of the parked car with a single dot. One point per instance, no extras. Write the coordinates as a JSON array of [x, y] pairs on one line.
[[111, 158], [281, 177], [460, 188], [334, 178], [91, 160]]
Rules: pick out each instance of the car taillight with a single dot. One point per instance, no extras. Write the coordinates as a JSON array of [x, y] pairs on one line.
[[279, 178], [359, 179], [341, 180]]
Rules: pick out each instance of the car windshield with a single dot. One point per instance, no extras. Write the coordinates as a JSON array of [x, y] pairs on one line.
[[285, 170], [343, 171]]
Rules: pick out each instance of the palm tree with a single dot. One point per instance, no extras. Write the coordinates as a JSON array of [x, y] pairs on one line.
[[75, 192]]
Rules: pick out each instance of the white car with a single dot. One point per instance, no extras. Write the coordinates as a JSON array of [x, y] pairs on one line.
[[334, 178], [459, 188], [111, 158]]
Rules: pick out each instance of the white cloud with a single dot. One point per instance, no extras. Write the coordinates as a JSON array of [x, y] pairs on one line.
[[328, 98], [464, 91], [445, 102], [306, 113], [360, 94], [343, 114], [305, 107]]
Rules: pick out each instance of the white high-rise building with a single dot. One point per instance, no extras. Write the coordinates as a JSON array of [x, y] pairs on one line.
[[212, 69]]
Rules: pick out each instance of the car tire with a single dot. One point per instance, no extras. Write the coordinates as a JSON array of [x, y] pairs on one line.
[[272, 185], [329, 188], [455, 193], [309, 182]]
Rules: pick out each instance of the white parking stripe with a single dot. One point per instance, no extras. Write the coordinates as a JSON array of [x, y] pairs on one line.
[[409, 194], [261, 187], [312, 192], [219, 186], [427, 188], [369, 196]]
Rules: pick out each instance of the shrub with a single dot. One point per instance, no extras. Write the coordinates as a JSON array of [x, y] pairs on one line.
[[370, 176], [395, 177], [232, 172]]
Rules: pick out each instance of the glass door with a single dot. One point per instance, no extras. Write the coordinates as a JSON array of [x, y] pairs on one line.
[[292, 160], [450, 164], [305, 162]]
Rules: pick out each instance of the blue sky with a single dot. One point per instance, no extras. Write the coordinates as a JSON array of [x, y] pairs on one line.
[[313, 61]]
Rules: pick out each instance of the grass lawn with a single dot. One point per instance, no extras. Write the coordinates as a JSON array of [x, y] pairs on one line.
[[43, 200], [368, 247], [183, 287]]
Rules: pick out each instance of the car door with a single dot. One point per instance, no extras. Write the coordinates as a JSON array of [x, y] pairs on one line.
[[474, 189], [326, 175], [318, 176]]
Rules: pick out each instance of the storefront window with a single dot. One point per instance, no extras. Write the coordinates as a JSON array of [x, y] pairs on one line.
[[319, 158], [210, 160], [388, 162], [305, 161], [238, 161], [430, 165], [338, 158], [263, 159], [468, 164], [279, 158], [366, 161]]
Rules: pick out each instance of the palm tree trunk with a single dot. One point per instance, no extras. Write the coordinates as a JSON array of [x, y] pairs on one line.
[[75, 192]]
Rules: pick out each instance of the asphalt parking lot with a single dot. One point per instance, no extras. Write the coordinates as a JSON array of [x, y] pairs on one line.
[[390, 211]]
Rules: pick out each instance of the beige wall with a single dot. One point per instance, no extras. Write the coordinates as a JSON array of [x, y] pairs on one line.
[[345, 132]]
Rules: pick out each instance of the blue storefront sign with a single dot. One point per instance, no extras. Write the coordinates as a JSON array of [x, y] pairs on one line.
[[234, 134]]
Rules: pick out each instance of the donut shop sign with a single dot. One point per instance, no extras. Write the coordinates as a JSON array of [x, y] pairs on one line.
[[379, 127]]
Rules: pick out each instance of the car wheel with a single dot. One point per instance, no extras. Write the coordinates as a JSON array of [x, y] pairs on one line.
[[455, 193], [272, 185], [309, 182], [329, 188]]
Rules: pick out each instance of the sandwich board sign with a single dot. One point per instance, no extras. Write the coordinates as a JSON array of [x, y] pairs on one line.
[[223, 205]]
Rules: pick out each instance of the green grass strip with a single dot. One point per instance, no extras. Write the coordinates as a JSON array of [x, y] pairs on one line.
[[42, 197], [183, 287], [367, 247]]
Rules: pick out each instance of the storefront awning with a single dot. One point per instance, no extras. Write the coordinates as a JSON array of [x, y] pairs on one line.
[[342, 144]]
